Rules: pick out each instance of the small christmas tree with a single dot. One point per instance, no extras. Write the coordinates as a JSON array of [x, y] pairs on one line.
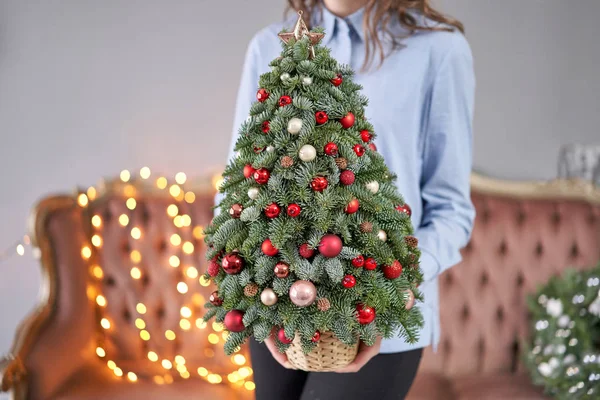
[[312, 236]]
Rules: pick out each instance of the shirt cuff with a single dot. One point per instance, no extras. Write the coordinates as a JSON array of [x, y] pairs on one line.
[[429, 265]]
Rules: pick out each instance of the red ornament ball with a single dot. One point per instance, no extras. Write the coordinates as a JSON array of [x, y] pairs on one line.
[[266, 126], [364, 314], [331, 149], [349, 281], [337, 81], [213, 268], [372, 146], [370, 264], [282, 338], [321, 117], [392, 271], [282, 270], [248, 171], [232, 263], [272, 210], [347, 120], [404, 208], [347, 177], [316, 337], [365, 135], [234, 321], [262, 95], [305, 251], [215, 300], [261, 176], [359, 149], [358, 261], [236, 210], [319, 183], [330, 245], [293, 210], [352, 207], [285, 100], [268, 249]]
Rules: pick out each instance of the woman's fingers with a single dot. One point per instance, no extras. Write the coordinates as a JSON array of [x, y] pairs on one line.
[[365, 353]]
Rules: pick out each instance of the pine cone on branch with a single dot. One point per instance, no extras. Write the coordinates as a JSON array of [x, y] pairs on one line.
[[341, 162], [366, 227], [323, 304], [411, 241], [286, 161], [251, 290]]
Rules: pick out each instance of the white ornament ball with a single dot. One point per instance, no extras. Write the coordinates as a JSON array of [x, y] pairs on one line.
[[373, 186], [285, 76], [294, 126], [382, 235], [306, 80], [253, 193], [307, 153], [270, 149], [268, 297]]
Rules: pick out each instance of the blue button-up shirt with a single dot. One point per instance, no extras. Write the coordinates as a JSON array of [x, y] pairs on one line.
[[421, 105]]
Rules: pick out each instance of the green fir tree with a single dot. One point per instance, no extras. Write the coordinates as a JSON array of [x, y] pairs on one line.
[[310, 206]]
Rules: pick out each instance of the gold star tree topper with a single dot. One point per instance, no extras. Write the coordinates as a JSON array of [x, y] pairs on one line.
[[301, 30]]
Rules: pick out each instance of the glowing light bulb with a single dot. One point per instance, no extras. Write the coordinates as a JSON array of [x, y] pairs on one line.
[[191, 272], [214, 378], [245, 372], [141, 308], [135, 256], [123, 219], [185, 325], [174, 261], [172, 210], [225, 335], [168, 379], [82, 199], [129, 190], [101, 300], [239, 359], [105, 323], [145, 173], [180, 368], [186, 220], [202, 371], [190, 197], [118, 372], [167, 364], [217, 327], [217, 181], [174, 190], [161, 182], [136, 233], [111, 364], [86, 252], [182, 287], [20, 249], [180, 178], [159, 380], [250, 385], [100, 352], [203, 281], [91, 193], [136, 273], [170, 335], [185, 312], [213, 338], [209, 353], [140, 324], [177, 221], [175, 239], [125, 175], [198, 232], [200, 323], [145, 335], [188, 248], [131, 203], [152, 356], [132, 377], [185, 374], [97, 240], [97, 221], [179, 359]]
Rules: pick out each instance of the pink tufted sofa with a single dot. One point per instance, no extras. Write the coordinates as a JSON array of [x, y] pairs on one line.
[[524, 232]]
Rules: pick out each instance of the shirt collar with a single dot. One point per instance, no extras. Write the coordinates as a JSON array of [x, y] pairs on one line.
[[330, 22]]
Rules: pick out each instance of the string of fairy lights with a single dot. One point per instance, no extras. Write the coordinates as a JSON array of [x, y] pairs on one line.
[[190, 319]]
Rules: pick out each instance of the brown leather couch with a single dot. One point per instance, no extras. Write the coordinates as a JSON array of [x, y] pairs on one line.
[[524, 233]]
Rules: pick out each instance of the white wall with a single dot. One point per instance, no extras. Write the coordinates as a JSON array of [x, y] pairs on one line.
[[88, 88]]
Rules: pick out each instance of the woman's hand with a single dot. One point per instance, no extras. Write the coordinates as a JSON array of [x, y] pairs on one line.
[[281, 358], [365, 353]]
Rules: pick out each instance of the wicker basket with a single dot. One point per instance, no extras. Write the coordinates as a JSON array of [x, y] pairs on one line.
[[329, 354]]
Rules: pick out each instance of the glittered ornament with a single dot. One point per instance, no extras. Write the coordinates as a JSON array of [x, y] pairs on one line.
[[285, 101], [286, 161], [265, 126], [307, 80], [370, 264], [213, 268], [321, 117], [364, 314], [330, 246], [305, 251], [409, 296], [392, 271], [316, 337], [359, 150], [232, 263], [282, 270], [405, 209], [372, 146], [236, 210], [253, 193], [284, 77], [365, 135], [358, 261], [282, 338], [261, 176], [307, 153], [234, 321], [268, 249], [293, 210], [347, 120], [331, 149], [341, 163], [337, 81], [366, 227], [373, 186], [347, 177], [349, 281], [262, 95], [382, 235], [319, 183], [248, 171], [303, 293], [411, 241], [215, 300], [251, 289], [272, 210], [352, 207], [294, 126], [268, 297], [323, 304]]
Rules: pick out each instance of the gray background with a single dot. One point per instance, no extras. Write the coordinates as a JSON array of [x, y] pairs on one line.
[[88, 88]]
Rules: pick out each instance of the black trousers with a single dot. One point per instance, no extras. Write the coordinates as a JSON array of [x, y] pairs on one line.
[[385, 377]]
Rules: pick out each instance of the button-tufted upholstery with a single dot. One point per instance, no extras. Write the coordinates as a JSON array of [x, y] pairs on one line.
[[518, 242]]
